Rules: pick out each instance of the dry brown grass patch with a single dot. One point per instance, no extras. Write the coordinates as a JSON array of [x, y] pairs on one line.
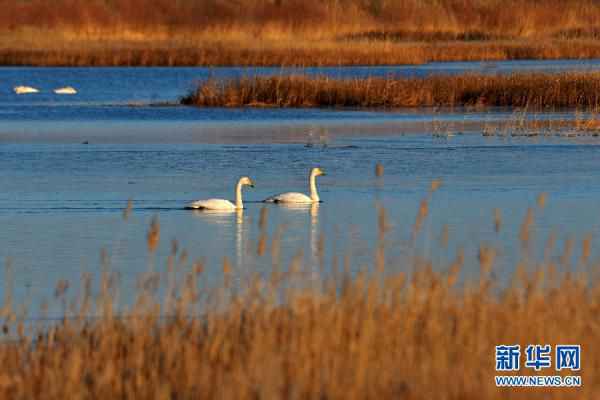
[[528, 91]]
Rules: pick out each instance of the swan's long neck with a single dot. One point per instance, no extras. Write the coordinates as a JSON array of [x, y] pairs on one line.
[[314, 196], [238, 196]]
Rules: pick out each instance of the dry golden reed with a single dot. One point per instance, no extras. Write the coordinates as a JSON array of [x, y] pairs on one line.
[[586, 248], [541, 200], [378, 170], [524, 90], [466, 20], [526, 226], [128, 209], [445, 236], [214, 51], [362, 336], [497, 220], [262, 225], [153, 235], [294, 32], [420, 219], [435, 185]]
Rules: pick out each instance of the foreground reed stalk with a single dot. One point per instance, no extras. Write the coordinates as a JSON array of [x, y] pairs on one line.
[[517, 90], [372, 334]]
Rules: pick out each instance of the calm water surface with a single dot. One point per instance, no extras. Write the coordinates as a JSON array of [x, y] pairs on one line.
[[62, 201]]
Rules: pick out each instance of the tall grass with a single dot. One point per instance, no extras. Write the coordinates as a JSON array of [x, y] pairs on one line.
[[445, 19], [50, 50], [517, 90], [379, 333], [294, 32]]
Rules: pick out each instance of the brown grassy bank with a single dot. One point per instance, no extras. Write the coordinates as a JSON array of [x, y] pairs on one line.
[[294, 32], [371, 19], [291, 52], [517, 90]]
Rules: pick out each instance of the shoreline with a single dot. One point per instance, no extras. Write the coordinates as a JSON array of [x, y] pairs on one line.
[[308, 132]]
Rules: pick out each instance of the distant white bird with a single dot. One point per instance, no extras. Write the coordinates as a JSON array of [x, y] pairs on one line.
[[294, 197], [221, 204], [65, 90], [25, 89]]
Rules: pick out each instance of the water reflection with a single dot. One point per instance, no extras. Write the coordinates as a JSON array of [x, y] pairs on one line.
[[41, 193], [313, 234], [240, 243], [219, 217], [225, 219], [314, 239]]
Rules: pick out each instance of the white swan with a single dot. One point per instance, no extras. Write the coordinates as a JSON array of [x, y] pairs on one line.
[[65, 90], [221, 204], [25, 89], [294, 197]]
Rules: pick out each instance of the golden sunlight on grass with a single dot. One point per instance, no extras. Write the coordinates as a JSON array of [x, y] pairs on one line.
[[528, 90], [294, 32], [292, 50]]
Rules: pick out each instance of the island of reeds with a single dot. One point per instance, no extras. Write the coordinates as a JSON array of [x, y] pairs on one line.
[[385, 331], [293, 32], [524, 90]]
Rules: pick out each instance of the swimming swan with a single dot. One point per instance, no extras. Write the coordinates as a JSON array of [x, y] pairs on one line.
[[65, 90], [25, 89], [221, 204], [294, 197]]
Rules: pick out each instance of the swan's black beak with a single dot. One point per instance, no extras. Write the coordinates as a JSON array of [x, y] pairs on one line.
[[251, 185], [323, 174]]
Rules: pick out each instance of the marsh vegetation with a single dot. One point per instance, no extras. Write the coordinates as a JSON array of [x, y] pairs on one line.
[[300, 33], [532, 90]]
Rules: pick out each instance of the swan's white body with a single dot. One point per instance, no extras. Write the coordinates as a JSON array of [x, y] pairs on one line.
[[213, 204], [222, 204], [290, 197], [295, 197], [65, 90], [25, 89]]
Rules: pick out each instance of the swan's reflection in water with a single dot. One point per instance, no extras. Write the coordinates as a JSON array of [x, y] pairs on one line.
[[313, 261], [235, 226], [226, 219]]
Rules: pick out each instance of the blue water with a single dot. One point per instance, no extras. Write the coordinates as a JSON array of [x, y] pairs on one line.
[[68, 166], [103, 91], [156, 84]]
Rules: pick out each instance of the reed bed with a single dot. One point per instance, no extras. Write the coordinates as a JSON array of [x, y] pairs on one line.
[[291, 53], [464, 19], [517, 90], [525, 123], [388, 331], [294, 32], [586, 124]]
